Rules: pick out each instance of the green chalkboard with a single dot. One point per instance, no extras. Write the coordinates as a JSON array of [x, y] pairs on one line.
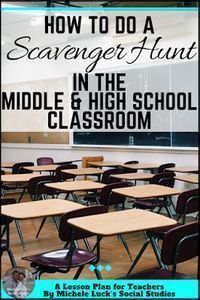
[[159, 139], [169, 77]]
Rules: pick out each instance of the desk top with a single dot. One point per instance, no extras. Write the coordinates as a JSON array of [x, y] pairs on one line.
[[190, 178], [66, 162], [7, 164], [133, 176], [147, 191], [75, 186], [43, 168], [104, 163], [183, 169], [119, 222], [36, 209], [19, 177], [84, 171], [142, 166]]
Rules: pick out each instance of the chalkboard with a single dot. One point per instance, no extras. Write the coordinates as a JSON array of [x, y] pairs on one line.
[[159, 139], [168, 77]]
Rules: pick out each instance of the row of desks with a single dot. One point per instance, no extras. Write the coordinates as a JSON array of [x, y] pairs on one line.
[[113, 223], [104, 224], [107, 224], [136, 192], [190, 178], [101, 164]]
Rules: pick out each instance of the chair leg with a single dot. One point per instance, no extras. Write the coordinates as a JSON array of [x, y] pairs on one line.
[[41, 225], [87, 244], [95, 246], [12, 259], [125, 246], [78, 273], [38, 275], [20, 233], [98, 274]]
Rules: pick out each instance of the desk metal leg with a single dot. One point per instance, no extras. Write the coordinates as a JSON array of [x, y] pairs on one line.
[[22, 194], [169, 212], [41, 225], [12, 259], [75, 198], [125, 246], [138, 256], [156, 250], [20, 233], [57, 223], [3, 232], [172, 204], [150, 239], [168, 203], [11, 256], [66, 197]]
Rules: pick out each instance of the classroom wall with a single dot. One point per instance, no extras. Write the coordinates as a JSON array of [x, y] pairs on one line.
[[30, 152], [12, 152]]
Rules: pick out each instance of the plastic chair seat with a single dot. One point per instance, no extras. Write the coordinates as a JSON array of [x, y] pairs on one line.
[[157, 273], [57, 259], [4, 245]]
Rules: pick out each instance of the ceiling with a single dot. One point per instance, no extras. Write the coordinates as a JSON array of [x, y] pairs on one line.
[[16, 23], [38, 3], [31, 22]]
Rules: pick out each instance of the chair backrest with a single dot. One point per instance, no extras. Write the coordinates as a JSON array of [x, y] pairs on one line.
[[87, 159], [162, 168], [187, 203], [18, 168], [4, 219], [166, 179], [65, 230], [106, 178], [129, 170], [131, 162], [65, 176], [108, 198], [180, 244], [44, 161], [36, 186]]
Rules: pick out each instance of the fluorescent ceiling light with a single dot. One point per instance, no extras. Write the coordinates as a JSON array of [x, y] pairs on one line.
[[20, 9]]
